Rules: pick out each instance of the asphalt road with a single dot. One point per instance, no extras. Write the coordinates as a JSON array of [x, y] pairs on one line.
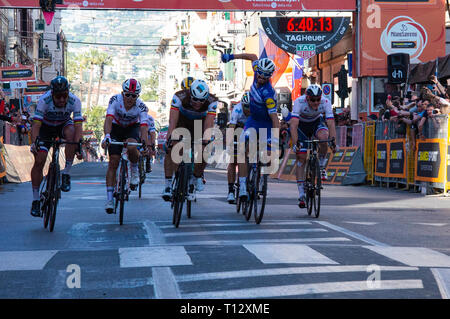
[[368, 242]]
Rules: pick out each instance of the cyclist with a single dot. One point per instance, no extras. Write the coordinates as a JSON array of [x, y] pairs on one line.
[[263, 106], [152, 138], [126, 120], [52, 118], [307, 121], [238, 118], [187, 82], [188, 105]]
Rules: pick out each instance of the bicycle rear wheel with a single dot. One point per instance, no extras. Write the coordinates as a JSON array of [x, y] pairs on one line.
[[317, 190], [261, 190], [238, 200], [45, 201], [123, 171], [141, 174]]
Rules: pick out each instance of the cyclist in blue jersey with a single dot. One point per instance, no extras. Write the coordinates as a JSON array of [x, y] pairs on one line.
[[263, 106]]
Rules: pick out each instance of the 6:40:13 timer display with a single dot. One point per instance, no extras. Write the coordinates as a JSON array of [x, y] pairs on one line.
[[305, 24]]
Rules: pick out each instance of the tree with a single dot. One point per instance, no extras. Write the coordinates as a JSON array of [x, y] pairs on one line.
[[150, 88], [98, 58], [105, 60], [76, 64], [95, 118]]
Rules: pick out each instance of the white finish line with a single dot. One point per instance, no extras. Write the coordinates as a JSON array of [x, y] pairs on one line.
[[153, 256], [25, 260], [244, 231], [414, 256], [288, 254], [308, 289]]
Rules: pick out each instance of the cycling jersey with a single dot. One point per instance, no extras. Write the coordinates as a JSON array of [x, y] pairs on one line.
[[305, 113], [263, 99], [237, 115], [125, 118], [151, 124], [47, 113]]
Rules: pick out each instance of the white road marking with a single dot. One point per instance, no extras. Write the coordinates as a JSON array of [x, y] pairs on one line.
[[262, 241], [25, 260], [414, 256], [362, 223], [165, 285], [442, 277], [431, 224], [352, 234], [288, 254], [154, 234], [245, 231], [306, 289], [285, 271], [153, 256], [239, 224]]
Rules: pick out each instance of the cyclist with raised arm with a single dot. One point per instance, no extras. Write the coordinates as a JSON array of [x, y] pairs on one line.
[[53, 118], [263, 106], [126, 120], [307, 121], [189, 105], [239, 116]]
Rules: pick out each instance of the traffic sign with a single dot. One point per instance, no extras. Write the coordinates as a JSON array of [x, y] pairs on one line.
[[18, 85], [327, 91]]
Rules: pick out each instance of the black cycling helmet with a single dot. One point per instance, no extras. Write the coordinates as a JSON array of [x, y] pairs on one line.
[[59, 84]]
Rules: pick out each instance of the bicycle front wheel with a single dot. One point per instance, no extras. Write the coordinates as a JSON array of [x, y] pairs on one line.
[[180, 195], [123, 171], [317, 190], [53, 198], [309, 186], [252, 193], [261, 191]]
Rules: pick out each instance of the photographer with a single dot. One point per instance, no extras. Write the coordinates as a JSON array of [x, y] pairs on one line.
[[430, 114]]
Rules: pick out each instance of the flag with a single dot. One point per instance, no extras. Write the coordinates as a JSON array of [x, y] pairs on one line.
[[297, 74], [267, 49]]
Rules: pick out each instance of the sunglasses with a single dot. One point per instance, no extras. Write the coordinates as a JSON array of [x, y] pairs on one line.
[[60, 95], [315, 100], [198, 100], [264, 74], [131, 95]]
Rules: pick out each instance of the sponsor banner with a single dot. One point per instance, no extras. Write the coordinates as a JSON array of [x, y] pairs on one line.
[[340, 175], [228, 5], [431, 155], [37, 88], [381, 158], [17, 72], [397, 158], [387, 27], [344, 156]]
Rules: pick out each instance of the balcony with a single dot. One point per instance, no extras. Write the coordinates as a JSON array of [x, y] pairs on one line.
[[45, 57]]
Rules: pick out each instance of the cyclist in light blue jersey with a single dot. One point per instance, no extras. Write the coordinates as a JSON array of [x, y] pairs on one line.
[[263, 106]]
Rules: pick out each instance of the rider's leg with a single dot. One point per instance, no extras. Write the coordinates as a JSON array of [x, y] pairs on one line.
[[322, 134], [69, 135]]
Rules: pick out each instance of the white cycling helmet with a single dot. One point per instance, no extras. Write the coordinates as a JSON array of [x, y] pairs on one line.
[[314, 90], [245, 100], [266, 65], [199, 90], [131, 86]]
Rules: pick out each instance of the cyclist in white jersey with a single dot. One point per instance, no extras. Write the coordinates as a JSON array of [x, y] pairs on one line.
[[53, 118], [239, 115], [306, 122], [126, 120]]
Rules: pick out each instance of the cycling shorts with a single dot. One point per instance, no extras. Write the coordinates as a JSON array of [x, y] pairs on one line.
[[121, 134], [47, 132], [307, 130]]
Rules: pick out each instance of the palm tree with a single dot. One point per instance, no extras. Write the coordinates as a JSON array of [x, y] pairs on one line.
[[100, 59], [104, 59]]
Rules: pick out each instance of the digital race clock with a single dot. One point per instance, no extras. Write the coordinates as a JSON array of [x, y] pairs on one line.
[[305, 24]]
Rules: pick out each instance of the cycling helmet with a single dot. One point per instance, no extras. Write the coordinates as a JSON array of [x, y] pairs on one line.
[[187, 82], [314, 90], [266, 65], [131, 86], [59, 84], [199, 89], [245, 100]]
